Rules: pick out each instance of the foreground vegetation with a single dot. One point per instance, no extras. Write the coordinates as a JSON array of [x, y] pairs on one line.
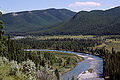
[[36, 65], [26, 70]]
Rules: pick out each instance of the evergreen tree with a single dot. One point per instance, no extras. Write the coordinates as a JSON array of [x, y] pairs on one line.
[[2, 39], [57, 74], [72, 78], [113, 51]]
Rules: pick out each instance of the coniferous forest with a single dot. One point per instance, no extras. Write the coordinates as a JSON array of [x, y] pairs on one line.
[[111, 58]]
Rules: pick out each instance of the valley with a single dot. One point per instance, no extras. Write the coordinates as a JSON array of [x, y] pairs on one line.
[[59, 44]]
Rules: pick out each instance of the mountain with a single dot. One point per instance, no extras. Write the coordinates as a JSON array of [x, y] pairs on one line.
[[96, 22], [32, 21], [63, 22]]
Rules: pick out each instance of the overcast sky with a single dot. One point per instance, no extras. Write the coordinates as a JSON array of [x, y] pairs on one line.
[[74, 5]]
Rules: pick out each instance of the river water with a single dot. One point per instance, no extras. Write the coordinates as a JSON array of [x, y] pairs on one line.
[[89, 62]]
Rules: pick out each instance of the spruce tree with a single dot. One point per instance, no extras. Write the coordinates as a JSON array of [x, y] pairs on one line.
[[72, 78], [2, 39], [57, 74]]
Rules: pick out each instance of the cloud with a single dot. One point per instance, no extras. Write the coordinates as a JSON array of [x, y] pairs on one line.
[[79, 4]]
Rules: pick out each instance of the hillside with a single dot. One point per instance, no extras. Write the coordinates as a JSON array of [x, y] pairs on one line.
[[63, 22], [37, 20], [96, 22]]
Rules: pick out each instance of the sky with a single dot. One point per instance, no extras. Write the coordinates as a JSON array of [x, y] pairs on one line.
[[7, 6]]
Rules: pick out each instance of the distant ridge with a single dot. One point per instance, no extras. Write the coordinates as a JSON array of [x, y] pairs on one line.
[[32, 21], [96, 22], [64, 22]]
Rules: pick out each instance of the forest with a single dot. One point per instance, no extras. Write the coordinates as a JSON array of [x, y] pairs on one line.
[[94, 45]]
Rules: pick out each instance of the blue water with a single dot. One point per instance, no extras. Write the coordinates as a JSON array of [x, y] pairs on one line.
[[96, 63]]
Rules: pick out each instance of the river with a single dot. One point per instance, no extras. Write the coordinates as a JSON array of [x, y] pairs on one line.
[[90, 62]]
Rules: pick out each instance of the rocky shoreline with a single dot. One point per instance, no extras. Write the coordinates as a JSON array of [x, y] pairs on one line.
[[89, 74]]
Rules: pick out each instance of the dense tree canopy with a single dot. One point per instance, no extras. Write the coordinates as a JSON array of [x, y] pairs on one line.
[[2, 38]]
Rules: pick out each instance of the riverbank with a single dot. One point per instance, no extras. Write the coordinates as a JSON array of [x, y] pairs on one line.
[[62, 61], [89, 76], [87, 69], [67, 70], [90, 73]]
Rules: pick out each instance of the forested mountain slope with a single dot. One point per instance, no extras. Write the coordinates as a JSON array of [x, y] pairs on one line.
[[95, 22], [63, 22], [32, 21]]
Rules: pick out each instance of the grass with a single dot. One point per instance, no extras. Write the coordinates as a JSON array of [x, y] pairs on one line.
[[64, 36], [74, 60], [116, 47], [4, 70], [5, 73], [101, 46], [109, 44]]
